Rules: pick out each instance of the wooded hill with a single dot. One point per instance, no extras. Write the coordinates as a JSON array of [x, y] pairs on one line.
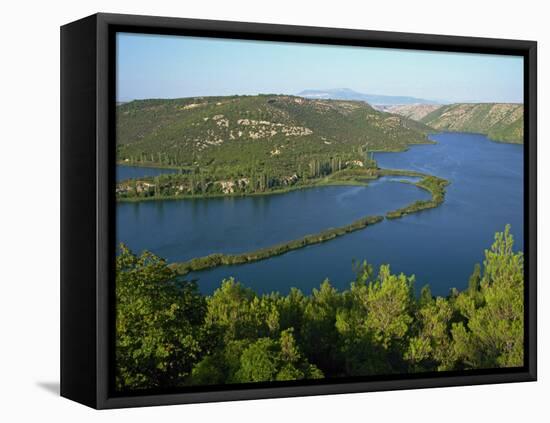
[[499, 121], [248, 134]]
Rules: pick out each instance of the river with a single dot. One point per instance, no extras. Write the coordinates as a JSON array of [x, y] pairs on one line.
[[128, 172], [439, 246]]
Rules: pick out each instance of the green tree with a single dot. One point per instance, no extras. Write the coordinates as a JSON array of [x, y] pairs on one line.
[[268, 359], [375, 323], [319, 336], [474, 283], [222, 366], [168, 334], [238, 313], [493, 334], [158, 320], [431, 347], [389, 303]]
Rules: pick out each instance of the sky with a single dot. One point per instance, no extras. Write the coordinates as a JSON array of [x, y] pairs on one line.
[[167, 66]]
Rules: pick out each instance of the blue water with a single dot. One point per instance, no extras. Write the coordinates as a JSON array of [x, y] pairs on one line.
[[183, 229], [129, 172], [439, 246]]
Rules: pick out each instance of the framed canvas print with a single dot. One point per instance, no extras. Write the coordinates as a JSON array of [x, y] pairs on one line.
[[254, 211]]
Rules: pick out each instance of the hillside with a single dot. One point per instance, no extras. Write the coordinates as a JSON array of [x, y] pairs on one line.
[[373, 99], [413, 111], [499, 121], [241, 135]]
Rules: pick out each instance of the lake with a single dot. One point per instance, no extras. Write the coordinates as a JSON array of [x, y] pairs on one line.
[[124, 172], [439, 246]]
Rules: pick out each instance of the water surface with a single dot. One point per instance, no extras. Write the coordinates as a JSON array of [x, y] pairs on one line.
[[124, 172], [439, 246], [179, 230]]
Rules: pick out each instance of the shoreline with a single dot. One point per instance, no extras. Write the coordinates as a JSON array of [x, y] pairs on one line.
[[219, 259], [244, 195], [486, 135], [362, 180], [433, 184], [150, 165]]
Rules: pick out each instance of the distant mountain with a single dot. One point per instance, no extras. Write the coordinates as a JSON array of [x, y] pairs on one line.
[[372, 99], [499, 121]]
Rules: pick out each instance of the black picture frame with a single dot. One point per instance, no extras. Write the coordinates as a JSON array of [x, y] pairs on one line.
[[87, 205]]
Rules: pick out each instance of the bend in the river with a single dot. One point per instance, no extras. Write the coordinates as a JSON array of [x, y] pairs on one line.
[[486, 188], [434, 185]]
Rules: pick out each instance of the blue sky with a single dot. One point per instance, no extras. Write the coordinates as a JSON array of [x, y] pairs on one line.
[[159, 66]]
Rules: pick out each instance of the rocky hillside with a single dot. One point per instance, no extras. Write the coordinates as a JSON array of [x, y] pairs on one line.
[[244, 133], [499, 121], [413, 111]]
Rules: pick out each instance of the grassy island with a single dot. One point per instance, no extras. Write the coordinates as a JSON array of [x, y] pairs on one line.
[[207, 184], [360, 176], [252, 145], [214, 260], [433, 184], [263, 145]]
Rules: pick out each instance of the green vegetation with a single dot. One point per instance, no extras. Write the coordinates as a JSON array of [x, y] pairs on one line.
[[413, 111], [196, 131], [214, 260], [169, 335], [179, 186], [433, 184], [499, 121], [260, 137], [158, 322], [357, 176]]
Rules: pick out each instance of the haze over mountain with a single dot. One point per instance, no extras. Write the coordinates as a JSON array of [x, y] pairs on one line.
[[372, 99]]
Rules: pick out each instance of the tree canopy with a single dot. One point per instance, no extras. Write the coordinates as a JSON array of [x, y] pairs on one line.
[[170, 335]]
